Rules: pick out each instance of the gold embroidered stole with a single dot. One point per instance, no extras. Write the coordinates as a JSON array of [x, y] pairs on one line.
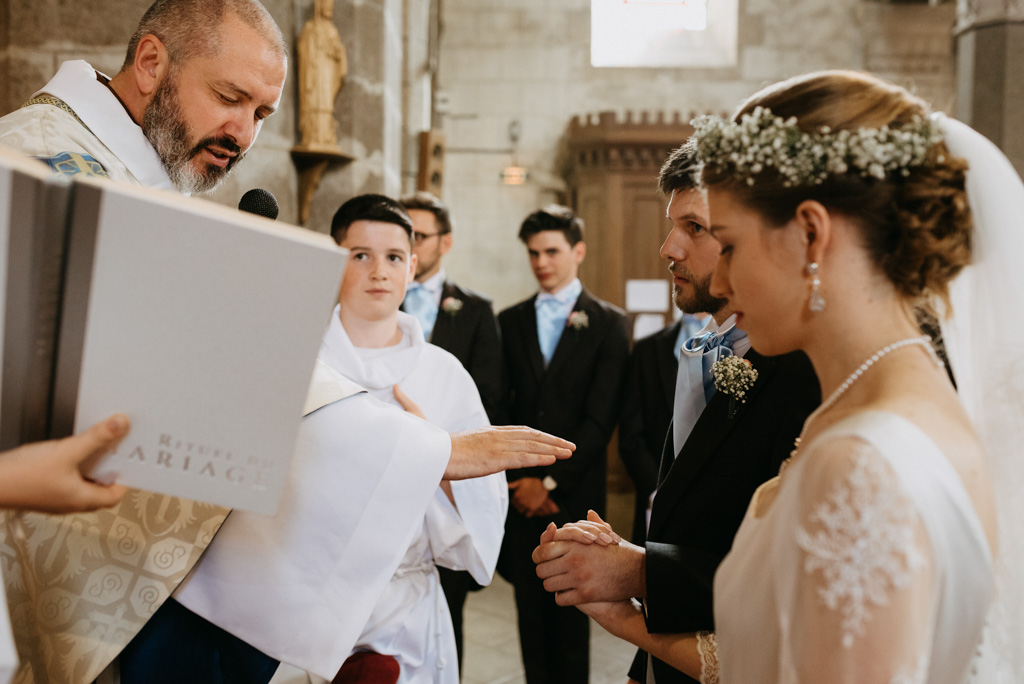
[[80, 587]]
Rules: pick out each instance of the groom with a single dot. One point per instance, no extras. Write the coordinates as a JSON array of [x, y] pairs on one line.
[[714, 458]]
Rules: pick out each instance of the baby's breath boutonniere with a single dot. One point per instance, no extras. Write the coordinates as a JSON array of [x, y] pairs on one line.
[[735, 376], [578, 320], [451, 305]]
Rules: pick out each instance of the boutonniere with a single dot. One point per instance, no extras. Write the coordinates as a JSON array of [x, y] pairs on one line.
[[451, 305], [578, 320], [735, 376]]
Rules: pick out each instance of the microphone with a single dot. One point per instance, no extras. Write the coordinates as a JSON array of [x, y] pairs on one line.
[[260, 202]]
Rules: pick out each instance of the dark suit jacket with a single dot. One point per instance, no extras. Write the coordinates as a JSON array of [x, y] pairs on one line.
[[705, 491], [471, 335], [646, 415], [577, 397]]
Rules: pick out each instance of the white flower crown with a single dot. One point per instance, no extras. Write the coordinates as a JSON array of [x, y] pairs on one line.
[[762, 140]]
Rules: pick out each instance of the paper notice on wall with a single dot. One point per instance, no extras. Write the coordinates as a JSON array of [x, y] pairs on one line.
[[646, 324], [647, 295]]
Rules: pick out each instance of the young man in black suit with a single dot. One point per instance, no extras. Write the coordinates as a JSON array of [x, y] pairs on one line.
[[461, 322], [565, 356], [714, 457]]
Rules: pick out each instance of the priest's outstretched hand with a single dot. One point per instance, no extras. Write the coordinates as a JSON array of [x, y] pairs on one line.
[[488, 450]]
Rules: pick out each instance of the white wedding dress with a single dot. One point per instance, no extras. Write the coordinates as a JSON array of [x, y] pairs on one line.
[[870, 565]]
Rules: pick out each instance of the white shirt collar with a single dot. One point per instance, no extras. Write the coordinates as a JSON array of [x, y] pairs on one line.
[[567, 295], [434, 283], [75, 83]]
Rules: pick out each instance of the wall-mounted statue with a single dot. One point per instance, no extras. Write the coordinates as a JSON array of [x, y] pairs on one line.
[[322, 68]]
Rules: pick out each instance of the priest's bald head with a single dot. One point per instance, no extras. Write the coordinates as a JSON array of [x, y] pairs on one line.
[[199, 77]]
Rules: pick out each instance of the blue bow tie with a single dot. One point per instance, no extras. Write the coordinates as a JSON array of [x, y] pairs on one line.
[[711, 341]]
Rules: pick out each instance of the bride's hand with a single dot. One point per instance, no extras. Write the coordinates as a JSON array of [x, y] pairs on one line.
[[589, 531], [612, 615]]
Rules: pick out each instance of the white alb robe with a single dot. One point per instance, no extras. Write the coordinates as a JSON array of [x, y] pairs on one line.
[[109, 135], [300, 585], [411, 619]]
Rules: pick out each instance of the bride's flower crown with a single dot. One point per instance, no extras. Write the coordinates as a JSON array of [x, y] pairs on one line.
[[762, 140]]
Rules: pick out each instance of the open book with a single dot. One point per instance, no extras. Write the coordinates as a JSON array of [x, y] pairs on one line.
[[200, 322]]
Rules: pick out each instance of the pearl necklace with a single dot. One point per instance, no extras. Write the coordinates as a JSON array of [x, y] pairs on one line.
[[924, 341]]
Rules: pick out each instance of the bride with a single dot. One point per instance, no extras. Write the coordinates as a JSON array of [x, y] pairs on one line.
[[845, 214]]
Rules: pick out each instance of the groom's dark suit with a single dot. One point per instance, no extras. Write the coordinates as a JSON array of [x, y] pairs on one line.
[[646, 415], [704, 493], [577, 397]]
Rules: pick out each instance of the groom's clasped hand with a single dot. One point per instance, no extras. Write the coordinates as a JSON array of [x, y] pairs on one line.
[[587, 561]]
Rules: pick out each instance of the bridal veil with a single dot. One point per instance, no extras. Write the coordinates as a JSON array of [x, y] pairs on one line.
[[984, 338]]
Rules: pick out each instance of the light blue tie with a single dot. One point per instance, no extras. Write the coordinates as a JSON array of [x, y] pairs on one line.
[[695, 384], [550, 324], [420, 304], [689, 399]]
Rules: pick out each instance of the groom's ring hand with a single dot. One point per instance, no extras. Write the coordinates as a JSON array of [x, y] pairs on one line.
[[548, 552]]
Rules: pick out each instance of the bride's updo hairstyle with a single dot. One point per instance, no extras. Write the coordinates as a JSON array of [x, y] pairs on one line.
[[915, 222]]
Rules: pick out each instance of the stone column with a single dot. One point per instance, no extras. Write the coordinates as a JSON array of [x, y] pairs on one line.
[[990, 61]]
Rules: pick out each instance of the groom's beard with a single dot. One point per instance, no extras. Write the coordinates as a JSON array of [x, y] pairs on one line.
[[164, 126], [701, 300]]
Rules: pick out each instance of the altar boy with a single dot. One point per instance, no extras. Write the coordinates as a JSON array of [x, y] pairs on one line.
[[383, 349]]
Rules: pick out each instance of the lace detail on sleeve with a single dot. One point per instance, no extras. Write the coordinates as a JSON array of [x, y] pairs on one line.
[[917, 676], [862, 537], [707, 648]]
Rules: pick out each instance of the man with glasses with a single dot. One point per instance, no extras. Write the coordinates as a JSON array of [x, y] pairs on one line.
[[458, 320], [461, 322]]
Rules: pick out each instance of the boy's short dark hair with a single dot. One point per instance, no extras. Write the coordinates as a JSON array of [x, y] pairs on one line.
[[553, 217], [369, 208], [424, 201], [681, 171]]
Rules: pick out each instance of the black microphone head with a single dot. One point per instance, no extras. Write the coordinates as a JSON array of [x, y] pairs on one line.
[[259, 201]]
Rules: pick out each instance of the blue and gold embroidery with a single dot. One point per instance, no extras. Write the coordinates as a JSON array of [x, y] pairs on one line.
[[75, 163], [54, 102], [69, 163]]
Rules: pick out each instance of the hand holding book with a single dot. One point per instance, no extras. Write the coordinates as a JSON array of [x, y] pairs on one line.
[[48, 476]]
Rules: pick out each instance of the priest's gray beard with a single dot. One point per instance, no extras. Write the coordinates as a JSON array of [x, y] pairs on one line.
[[164, 126]]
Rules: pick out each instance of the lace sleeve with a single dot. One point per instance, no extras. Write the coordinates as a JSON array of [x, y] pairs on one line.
[[707, 649], [863, 597]]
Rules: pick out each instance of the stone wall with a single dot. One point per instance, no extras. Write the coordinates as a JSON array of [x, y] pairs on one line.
[[501, 61], [37, 35], [529, 61]]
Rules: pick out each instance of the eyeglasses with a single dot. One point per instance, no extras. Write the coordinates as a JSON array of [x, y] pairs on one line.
[[421, 237]]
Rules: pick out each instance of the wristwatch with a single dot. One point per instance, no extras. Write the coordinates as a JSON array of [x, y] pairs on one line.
[[549, 483]]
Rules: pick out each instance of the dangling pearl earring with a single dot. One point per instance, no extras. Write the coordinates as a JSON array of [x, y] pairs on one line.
[[816, 303]]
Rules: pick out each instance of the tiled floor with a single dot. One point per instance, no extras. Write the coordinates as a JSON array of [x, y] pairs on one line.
[[492, 643], [492, 640]]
